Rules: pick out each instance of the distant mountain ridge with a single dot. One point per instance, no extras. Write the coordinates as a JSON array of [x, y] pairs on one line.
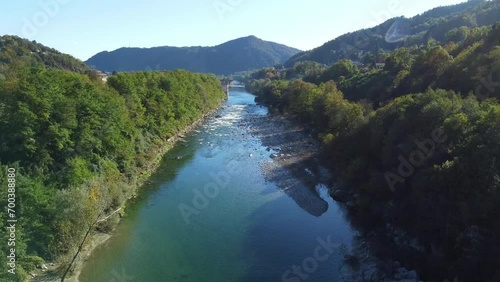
[[441, 24], [242, 54]]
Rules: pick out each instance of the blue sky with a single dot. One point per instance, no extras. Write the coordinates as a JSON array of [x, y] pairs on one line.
[[84, 28]]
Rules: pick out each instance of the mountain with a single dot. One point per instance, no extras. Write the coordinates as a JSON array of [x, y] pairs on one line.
[[241, 54], [14, 48], [443, 24]]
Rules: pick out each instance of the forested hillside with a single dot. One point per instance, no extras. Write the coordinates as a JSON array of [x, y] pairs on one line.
[[443, 24], [416, 145], [242, 54], [81, 148], [13, 48]]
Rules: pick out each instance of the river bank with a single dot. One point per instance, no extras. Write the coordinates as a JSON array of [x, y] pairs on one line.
[[54, 270]]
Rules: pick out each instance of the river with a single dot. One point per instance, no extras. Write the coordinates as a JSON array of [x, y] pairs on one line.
[[208, 214]]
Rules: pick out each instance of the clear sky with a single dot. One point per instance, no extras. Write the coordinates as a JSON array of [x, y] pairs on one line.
[[83, 28]]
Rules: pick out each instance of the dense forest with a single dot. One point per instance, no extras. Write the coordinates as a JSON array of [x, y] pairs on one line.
[[13, 48], [415, 144], [443, 24], [242, 54], [81, 147]]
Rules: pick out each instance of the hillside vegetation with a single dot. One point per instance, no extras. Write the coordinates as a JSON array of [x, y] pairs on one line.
[[14, 48], [80, 147], [443, 24]]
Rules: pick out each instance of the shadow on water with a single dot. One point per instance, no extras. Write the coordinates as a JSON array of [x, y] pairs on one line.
[[305, 196], [282, 236]]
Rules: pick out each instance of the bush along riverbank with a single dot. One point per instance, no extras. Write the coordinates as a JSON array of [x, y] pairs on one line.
[[81, 148], [418, 162]]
